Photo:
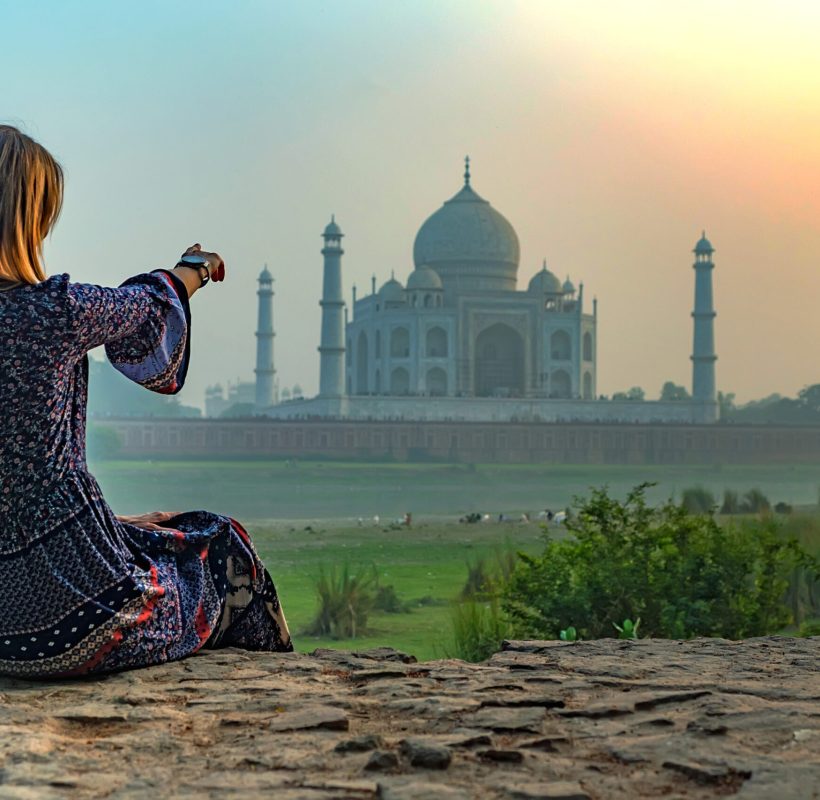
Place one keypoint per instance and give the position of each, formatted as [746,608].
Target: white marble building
[460,327]
[459,339]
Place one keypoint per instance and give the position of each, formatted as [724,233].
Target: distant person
[83,590]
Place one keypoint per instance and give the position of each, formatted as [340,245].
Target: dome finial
[466,170]
[544,266]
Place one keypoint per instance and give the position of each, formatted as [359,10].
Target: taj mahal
[458,340]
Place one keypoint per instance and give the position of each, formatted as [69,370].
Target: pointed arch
[499,362]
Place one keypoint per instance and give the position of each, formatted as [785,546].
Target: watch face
[195,261]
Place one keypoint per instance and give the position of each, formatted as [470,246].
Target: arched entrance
[499,362]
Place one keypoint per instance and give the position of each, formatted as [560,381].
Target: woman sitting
[81,589]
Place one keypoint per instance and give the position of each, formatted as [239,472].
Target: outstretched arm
[190,276]
[144,324]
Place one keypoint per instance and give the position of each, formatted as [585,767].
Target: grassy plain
[427,562]
[304,516]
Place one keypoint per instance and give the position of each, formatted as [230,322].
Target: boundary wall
[485,442]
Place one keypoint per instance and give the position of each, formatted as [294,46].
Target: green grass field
[424,562]
[304,517]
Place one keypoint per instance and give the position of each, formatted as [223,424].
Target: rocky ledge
[604,719]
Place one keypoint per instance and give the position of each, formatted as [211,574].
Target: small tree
[726,403]
[755,502]
[698,500]
[810,397]
[672,392]
[731,502]
[635,393]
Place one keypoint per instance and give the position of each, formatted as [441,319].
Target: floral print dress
[81,592]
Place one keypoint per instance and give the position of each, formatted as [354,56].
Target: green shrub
[697,500]
[731,503]
[345,600]
[485,577]
[684,575]
[478,629]
[809,628]
[803,595]
[386,599]
[755,502]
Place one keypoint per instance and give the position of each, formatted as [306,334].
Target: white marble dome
[392,291]
[545,282]
[469,244]
[423,279]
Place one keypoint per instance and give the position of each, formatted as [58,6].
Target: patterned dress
[81,592]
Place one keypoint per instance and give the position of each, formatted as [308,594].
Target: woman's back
[81,589]
[42,380]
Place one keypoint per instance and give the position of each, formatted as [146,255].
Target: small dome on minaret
[332,229]
[265,275]
[704,246]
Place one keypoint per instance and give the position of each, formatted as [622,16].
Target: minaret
[332,348]
[265,389]
[703,349]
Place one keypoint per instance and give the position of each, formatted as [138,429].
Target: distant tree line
[801,410]
[113,395]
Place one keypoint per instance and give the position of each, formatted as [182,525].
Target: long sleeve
[144,325]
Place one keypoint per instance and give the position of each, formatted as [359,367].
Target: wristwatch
[200,264]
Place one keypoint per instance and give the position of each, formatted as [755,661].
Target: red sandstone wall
[472,442]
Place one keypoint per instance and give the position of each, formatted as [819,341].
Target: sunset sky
[609,134]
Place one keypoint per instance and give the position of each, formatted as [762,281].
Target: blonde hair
[31,196]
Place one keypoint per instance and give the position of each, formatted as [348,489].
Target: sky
[609,134]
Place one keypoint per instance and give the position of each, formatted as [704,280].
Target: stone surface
[594,720]
[382,760]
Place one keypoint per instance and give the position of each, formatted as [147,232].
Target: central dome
[469,244]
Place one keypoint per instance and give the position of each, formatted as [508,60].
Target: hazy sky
[608,133]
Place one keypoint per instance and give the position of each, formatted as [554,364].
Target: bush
[698,500]
[755,502]
[486,577]
[803,595]
[478,629]
[345,601]
[388,601]
[731,503]
[809,628]
[683,575]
